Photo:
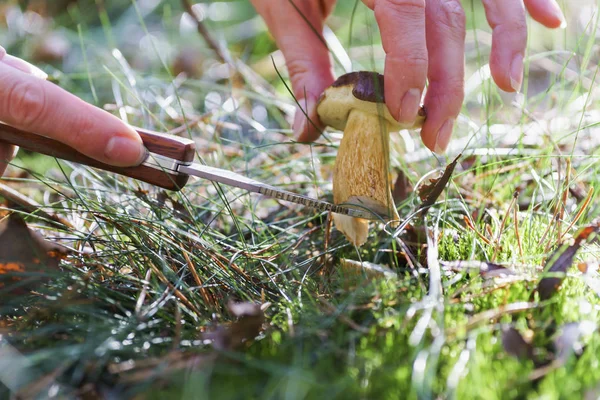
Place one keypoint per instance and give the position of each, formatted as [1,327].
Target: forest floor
[211,292]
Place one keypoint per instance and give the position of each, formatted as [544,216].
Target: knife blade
[240,181]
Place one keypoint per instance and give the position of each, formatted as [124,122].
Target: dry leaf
[515,345]
[25,256]
[430,192]
[402,188]
[247,327]
[561,260]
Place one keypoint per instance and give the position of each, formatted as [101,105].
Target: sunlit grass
[151,273]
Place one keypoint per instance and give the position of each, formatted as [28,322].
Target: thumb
[297,27]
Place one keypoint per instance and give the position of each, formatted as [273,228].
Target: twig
[496,313]
[502,225]
[177,336]
[331,310]
[584,207]
[29,205]
[563,202]
[192,269]
[142,298]
[210,42]
[517,235]
[472,227]
[182,298]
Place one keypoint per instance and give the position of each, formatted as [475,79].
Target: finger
[7,153]
[509,38]
[21,65]
[402,26]
[446,46]
[297,28]
[546,12]
[32,104]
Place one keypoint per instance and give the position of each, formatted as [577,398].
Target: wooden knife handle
[164,145]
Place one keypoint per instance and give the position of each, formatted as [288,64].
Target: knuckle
[26,102]
[455,94]
[454,14]
[515,29]
[446,97]
[452,19]
[412,60]
[519,25]
[406,9]
[404,4]
[299,71]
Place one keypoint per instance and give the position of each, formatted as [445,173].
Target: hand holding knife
[169,165]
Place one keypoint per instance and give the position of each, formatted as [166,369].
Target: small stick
[29,205]
[182,298]
[584,206]
[502,225]
[331,310]
[140,301]
[210,42]
[517,236]
[563,202]
[192,269]
[471,226]
[177,336]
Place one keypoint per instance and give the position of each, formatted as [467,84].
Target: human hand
[29,102]
[421,43]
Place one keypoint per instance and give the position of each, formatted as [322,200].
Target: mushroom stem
[361,173]
[355,104]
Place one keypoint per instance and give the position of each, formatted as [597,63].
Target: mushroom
[355,104]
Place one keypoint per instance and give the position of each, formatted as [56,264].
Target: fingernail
[410,105]
[443,136]
[24,66]
[559,14]
[125,151]
[516,73]
[563,20]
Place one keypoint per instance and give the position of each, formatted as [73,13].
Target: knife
[169,165]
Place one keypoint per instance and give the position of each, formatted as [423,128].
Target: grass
[142,306]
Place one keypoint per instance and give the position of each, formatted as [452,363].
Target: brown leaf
[402,188]
[247,327]
[24,255]
[182,212]
[561,260]
[162,197]
[430,192]
[515,345]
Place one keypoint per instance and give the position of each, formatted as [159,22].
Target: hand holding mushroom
[423,40]
[355,104]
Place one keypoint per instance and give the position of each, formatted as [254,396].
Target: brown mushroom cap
[362,90]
